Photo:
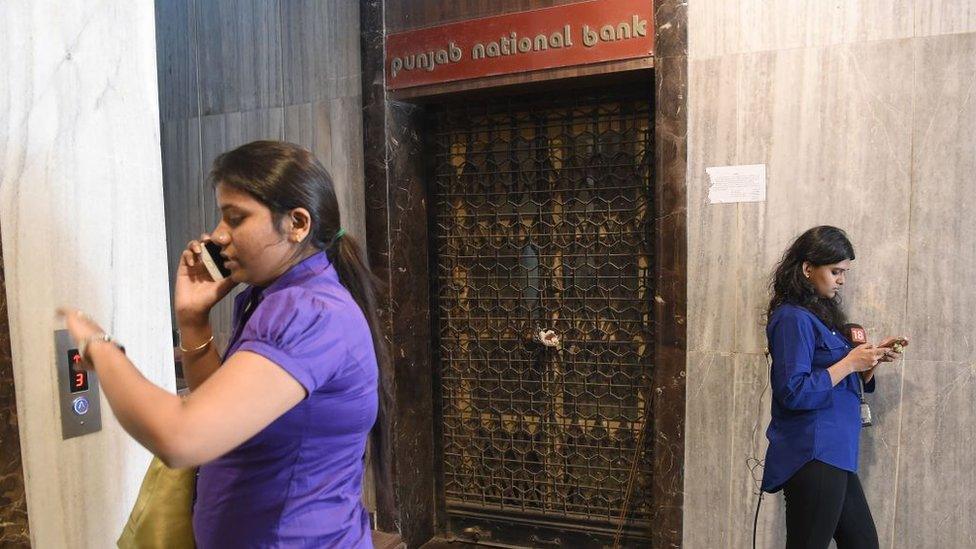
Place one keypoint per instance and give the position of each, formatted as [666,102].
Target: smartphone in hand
[213,261]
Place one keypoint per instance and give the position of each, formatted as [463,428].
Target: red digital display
[77,377]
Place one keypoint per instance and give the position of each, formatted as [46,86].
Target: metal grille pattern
[542,220]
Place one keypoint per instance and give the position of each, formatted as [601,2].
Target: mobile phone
[213,261]
[899,342]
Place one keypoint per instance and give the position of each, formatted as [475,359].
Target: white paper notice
[736,184]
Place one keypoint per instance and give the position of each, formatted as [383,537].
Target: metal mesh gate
[542,219]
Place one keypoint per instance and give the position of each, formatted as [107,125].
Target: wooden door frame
[396,225]
[14,525]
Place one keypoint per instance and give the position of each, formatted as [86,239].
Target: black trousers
[824,502]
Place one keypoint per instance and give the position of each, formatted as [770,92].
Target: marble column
[81,218]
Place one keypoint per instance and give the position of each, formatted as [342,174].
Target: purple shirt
[298,482]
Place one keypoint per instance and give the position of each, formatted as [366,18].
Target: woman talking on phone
[817,378]
[278,423]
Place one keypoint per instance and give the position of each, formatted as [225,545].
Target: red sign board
[572,34]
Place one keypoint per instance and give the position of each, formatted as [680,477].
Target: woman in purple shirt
[279,423]
[817,380]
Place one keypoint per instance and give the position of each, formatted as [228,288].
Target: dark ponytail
[823,245]
[349,260]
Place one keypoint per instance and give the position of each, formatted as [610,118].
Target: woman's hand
[81,327]
[864,357]
[196,292]
[893,347]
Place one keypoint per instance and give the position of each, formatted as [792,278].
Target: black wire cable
[755,521]
[756,463]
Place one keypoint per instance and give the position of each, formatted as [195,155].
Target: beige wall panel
[708,452]
[712,284]
[936,463]
[934,17]
[721,27]
[942,302]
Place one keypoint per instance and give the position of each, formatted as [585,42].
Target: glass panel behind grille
[542,220]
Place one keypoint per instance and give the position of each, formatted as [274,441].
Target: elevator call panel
[77,390]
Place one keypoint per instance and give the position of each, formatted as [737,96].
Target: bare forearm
[147,412]
[197,368]
[199,365]
[839,371]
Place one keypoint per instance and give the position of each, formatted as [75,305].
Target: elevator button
[80,406]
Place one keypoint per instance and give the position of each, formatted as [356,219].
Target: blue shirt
[298,482]
[810,418]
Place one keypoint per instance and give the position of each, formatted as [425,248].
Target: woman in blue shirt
[817,380]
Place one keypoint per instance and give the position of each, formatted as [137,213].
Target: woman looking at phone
[817,378]
[279,421]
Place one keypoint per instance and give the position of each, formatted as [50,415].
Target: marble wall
[81,217]
[864,113]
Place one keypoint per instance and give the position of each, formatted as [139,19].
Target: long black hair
[823,245]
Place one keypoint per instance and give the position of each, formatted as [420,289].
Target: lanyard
[865,409]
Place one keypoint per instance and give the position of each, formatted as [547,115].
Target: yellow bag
[162,517]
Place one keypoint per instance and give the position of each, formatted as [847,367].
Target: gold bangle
[195,349]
